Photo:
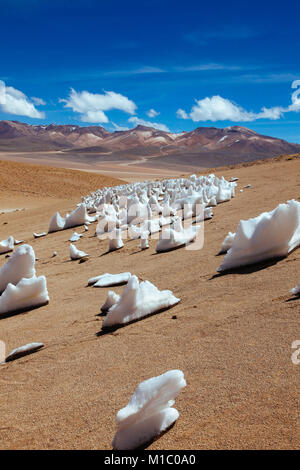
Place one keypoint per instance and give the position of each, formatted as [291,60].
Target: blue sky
[177,65]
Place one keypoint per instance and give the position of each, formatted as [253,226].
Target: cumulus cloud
[182,114]
[216,108]
[91,106]
[137,121]
[152,113]
[13,101]
[38,101]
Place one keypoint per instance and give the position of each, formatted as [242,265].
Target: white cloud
[91,106]
[13,101]
[94,116]
[38,101]
[216,108]
[136,121]
[138,71]
[182,114]
[120,128]
[152,113]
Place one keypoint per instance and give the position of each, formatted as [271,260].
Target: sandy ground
[232,336]
[126,170]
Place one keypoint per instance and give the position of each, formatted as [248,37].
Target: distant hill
[203,147]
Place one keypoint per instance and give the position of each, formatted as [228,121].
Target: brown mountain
[205,146]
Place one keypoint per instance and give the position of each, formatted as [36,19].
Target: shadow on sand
[114,328]
[250,268]
[21,310]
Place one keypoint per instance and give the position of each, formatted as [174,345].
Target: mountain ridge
[204,146]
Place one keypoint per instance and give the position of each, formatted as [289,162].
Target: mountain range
[203,147]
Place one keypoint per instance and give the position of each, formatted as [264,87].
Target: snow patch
[23,351]
[20,264]
[149,411]
[75,253]
[270,235]
[7,245]
[296,290]
[27,293]
[108,280]
[137,301]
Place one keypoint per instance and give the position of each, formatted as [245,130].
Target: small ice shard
[152,226]
[134,232]
[137,301]
[144,241]
[296,290]
[112,298]
[109,280]
[85,228]
[115,240]
[241,190]
[19,265]
[75,253]
[54,254]
[171,239]
[247,186]
[27,293]
[77,217]
[75,237]
[272,234]
[57,223]
[227,242]
[232,179]
[18,242]
[23,351]
[149,412]
[212,202]
[39,235]
[164,221]
[7,245]
[206,215]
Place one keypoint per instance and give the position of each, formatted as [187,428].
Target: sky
[167,64]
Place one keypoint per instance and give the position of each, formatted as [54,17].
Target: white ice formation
[75,237]
[149,205]
[7,245]
[112,298]
[20,264]
[108,280]
[78,216]
[39,235]
[171,238]
[23,351]
[144,244]
[271,235]
[27,293]
[115,240]
[227,242]
[75,253]
[149,412]
[296,290]
[137,301]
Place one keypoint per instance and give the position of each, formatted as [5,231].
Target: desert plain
[231,334]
